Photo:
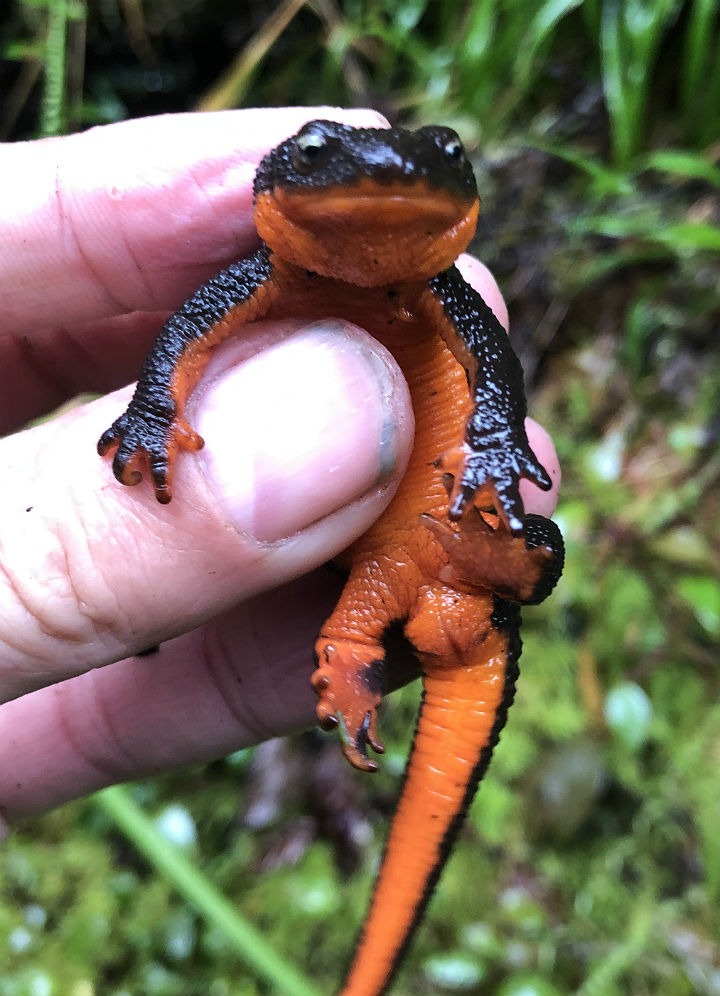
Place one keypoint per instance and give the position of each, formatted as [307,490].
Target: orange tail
[462,714]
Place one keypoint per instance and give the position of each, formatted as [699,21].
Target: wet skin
[365,224]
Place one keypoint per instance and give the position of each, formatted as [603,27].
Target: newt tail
[462,714]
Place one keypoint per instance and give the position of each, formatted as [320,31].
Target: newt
[365,225]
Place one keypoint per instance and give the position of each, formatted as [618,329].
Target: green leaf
[691,235]
[628,712]
[702,595]
[455,971]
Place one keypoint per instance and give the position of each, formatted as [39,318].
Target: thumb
[307,429]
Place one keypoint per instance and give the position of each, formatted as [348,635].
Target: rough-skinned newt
[365,225]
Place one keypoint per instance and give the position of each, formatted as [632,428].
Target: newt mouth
[369,234]
[393,204]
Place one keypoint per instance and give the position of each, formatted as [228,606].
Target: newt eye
[307,148]
[454,150]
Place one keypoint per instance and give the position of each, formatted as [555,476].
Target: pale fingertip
[479,277]
[534,498]
[360,117]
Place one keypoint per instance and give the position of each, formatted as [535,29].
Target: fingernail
[301,428]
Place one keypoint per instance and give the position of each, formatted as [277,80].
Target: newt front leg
[152,430]
[495,452]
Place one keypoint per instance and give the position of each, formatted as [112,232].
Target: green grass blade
[541,27]
[53,102]
[697,35]
[604,179]
[195,888]
[684,236]
[690,165]
[602,266]
[478,33]
[603,977]
[699,57]
[630,36]
[616,94]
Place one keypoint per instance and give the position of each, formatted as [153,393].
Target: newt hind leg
[350,678]
[349,683]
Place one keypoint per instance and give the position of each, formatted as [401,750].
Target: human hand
[102,235]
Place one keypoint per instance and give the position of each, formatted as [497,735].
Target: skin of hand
[308,428]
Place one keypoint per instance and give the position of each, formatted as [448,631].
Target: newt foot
[487,474]
[484,555]
[145,440]
[348,682]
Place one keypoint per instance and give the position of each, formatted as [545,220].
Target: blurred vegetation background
[590,863]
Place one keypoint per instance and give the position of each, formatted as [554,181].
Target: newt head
[369,206]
